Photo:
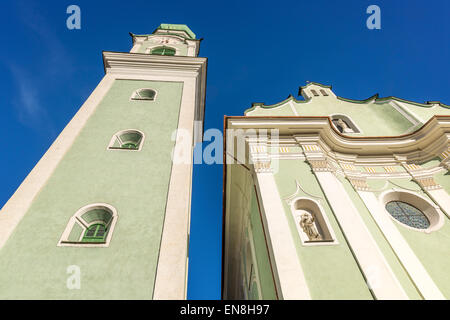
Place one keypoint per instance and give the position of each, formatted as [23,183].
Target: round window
[408,214]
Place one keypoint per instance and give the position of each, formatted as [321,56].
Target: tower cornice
[141,63]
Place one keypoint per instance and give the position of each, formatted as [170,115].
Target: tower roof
[177,27]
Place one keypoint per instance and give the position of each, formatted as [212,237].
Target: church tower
[105,213]
[333,198]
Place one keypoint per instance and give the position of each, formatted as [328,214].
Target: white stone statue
[309,227]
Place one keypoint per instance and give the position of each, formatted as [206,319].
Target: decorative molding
[319,165]
[360,184]
[427,183]
[262,167]
[140,63]
[418,146]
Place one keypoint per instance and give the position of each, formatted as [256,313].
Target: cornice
[420,145]
[140,62]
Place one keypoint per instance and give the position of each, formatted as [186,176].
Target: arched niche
[344,124]
[312,223]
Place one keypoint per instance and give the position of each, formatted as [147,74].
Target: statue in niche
[343,125]
[308,225]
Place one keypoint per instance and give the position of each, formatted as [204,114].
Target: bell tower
[105,213]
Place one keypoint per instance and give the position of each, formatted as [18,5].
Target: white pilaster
[170,282]
[441,197]
[409,260]
[379,275]
[288,271]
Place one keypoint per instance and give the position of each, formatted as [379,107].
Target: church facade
[324,198]
[105,213]
[333,198]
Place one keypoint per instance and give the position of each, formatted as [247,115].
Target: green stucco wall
[135,183]
[389,121]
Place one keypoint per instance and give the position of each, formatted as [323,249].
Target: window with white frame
[412,210]
[127,140]
[144,94]
[163,51]
[92,225]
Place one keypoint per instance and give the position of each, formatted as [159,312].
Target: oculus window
[407,214]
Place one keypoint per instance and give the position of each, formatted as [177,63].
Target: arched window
[163,51]
[144,94]
[343,124]
[127,140]
[312,223]
[91,225]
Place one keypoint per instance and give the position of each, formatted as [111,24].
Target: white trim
[323,224]
[441,197]
[117,135]
[293,108]
[78,217]
[288,271]
[404,106]
[171,271]
[411,118]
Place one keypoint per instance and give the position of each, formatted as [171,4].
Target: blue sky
[258,52]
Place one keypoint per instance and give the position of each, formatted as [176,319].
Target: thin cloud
[27,98]
[56,54]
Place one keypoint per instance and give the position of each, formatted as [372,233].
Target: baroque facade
[105,213]
[333,198]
